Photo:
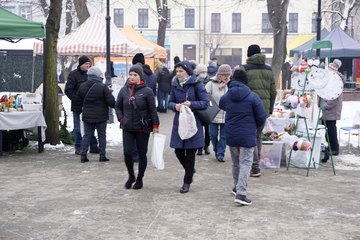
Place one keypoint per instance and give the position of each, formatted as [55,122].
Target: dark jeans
[332,131]
[207,137]
[77,133]
[162,98]
[187,159]
[257,149]
[141,139]
[89,134]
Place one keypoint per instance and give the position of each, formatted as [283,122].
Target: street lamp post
[108,68]
[318,27]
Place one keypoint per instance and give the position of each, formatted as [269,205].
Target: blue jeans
[89,134]
[162,98]
[218,141]
[77,133]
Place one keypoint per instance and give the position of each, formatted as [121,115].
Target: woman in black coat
[136,111]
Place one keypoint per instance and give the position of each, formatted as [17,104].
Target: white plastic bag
[187,123]
[157,154]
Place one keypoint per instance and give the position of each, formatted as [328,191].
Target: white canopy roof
[90,39]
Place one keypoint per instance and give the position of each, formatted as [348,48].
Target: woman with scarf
[217,87]
[135,106]
[185,90]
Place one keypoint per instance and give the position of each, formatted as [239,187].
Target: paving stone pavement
[53,196]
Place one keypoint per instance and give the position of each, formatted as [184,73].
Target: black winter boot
[130,181]
[84,159]
[138,184]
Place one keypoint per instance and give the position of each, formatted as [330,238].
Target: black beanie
[186,66]
[138,58]
[84,59]
[138,69]
[176,60]
[240,75]
[253,49]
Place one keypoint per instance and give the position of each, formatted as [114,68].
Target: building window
[119,17]
[189,18]
[231,56]
[314,23]
[293,22]
[265,25]
[25,12]
[168,23]
[215,22]
[236,22]
[143,18]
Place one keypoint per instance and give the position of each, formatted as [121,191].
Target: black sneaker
[233,191]
[199,152]
[255,173]
[207,150]
[77,151]
[243,200]
[105,159]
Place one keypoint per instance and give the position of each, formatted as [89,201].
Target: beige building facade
[201,29]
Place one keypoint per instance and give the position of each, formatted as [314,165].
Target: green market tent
[15,27]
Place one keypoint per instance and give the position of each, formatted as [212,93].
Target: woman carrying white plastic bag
[157,155]
[187,123]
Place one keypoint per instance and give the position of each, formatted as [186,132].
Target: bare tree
[162,11]
[277,11]
[213,41]
[50,93]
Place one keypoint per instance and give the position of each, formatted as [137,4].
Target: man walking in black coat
[164,87]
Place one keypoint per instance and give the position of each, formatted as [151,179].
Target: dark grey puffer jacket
[95,99]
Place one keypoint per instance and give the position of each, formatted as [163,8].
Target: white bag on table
[187,123]
[157,154]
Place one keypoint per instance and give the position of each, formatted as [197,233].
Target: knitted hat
[200,68]
[240,75]
[186,66]
[138,69]
[84,59]
[176,60]
[138,58]
[253,49]
[212,63]
[224,69]
[95,71]
[335,65]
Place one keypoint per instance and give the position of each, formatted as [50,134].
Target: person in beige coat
[217,87]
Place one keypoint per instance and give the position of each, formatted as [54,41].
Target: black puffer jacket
[143,96]
[149,78]
[74,80]
[95,98]
[164,80]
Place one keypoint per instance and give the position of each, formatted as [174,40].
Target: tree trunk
[81,10]
[162,11]
[277,10]
[51,99]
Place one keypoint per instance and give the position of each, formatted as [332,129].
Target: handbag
[208,114]
[145,120]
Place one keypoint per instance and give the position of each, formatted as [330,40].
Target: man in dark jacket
[261,80]
[95,99]
[164,87]
[74,80]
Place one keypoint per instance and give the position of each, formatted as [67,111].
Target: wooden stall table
[16,120]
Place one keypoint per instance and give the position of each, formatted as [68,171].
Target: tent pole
[33,73]
[44,72]
[318,27]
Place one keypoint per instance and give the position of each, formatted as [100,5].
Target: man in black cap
[261,81]
[74,80]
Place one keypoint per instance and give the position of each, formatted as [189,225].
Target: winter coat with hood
[244,114]
[149,78]
[74,80]
[212,87]
[194,92]
[133,96]
[164,80]
[95,99]
[261,80]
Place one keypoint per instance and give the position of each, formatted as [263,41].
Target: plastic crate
[270,156]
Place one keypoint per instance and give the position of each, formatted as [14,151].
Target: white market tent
[90,39]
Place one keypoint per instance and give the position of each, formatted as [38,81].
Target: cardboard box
[270,156]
